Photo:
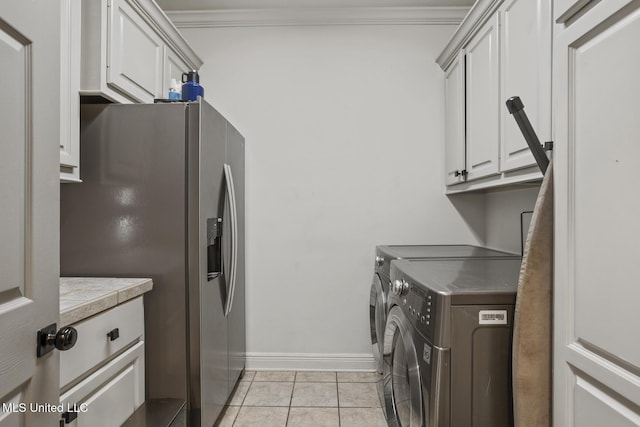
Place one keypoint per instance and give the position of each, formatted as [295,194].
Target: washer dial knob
[379,261]
[400,287]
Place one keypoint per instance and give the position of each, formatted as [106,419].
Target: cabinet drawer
[94,345]
[110,395]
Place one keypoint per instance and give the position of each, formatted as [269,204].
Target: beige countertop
[82,297]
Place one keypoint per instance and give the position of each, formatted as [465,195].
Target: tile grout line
[293,386]
[242,402]
[338,399]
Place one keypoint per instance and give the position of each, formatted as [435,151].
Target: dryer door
[404,405]
[377,319]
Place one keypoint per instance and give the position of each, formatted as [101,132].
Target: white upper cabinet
[127,46]
[482,102]
[525,72]
[454,121]
[123,51]
[70,89]
[173,69]
[503,48]
[566,9]
[135,54]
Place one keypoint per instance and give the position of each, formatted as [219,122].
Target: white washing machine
[378,307]
[447,345]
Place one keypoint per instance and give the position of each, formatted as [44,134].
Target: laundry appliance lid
[464,281]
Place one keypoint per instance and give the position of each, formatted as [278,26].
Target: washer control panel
[419,305]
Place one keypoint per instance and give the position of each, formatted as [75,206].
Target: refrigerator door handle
[231,194]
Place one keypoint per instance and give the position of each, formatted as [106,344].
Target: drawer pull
[114,334]
[69,416]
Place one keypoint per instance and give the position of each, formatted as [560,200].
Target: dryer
[447,345]
[378,307]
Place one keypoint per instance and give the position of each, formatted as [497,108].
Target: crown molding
[160,22]
[478,15]
[318,16]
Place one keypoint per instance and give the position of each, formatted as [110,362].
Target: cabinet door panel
[112,393]
[70,21]
[173,69]
[565,9]
[525,58]
[482,78]
[596,214]
[454,121]
[135,54]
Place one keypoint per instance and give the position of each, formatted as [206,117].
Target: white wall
[344,137]
[502,216]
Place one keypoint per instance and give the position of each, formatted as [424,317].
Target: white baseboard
[310,362]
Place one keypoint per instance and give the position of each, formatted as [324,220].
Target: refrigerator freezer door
[234,157]
[208,335]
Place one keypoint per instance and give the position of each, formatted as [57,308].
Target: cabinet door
[173,69]
[597,206]
[482,106]
[565,9]
[135,54]
[70,25]
[454,121]
[525,59]
[111,394]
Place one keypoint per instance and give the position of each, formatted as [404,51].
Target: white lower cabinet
[102,377]
[110,395]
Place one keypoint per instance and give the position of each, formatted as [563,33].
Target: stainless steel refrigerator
[163,197]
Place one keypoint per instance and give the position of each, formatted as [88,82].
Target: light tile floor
[304,399]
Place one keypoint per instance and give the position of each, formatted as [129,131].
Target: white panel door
[29,207]
[525,71]
[454,120]
[136,52]
[482,107]
[597,158]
